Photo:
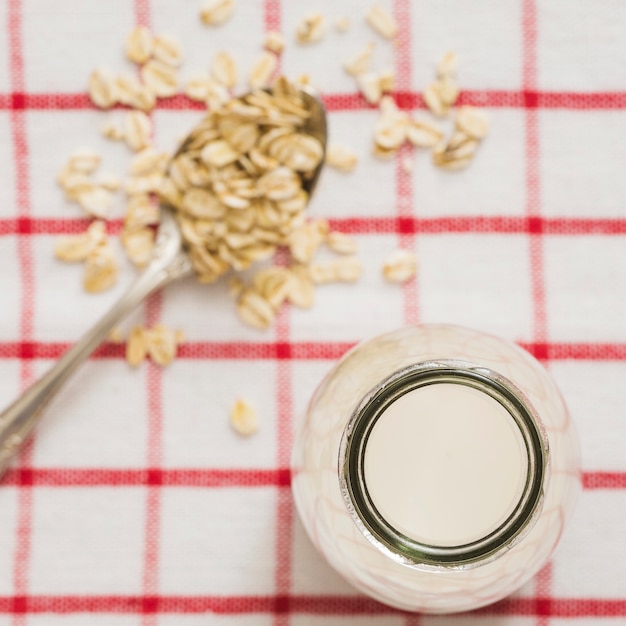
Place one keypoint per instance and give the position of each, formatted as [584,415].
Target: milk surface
[445,464]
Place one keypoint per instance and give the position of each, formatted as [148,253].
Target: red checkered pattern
[136,504]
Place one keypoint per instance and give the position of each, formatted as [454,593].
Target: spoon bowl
[169,262]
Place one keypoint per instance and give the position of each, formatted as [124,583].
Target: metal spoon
[168,263]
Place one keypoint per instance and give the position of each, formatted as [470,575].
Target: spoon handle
[19,419]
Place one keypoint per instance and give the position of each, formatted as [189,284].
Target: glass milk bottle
[436,468]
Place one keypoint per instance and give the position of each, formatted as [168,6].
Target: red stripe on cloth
[21,563]
[335,605]
[283,531]
[404,180]
[206,478]
[604,480]
[299,351]
[543,580]
[154,392]
[349,101]
[93,477]
[408,224]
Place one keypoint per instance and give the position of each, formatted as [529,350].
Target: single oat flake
[274,42]
[244,419]
[100,269]
[400,266]
[139,45]
[137,346]
[137,130]
[102,88]
[216,12]
[162,344]
[382,21]
[341,157]
[472,121]
[311,28]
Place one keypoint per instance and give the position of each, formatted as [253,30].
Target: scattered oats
[74,183]
[262,70]
[167,49]
[342,24]
[84,161]
[387,80]
[140,212]
[343,270]
[432,99]
[138,244]
[143,184]
[235,286]
[423,133]
[137,130]
[244,419]
[96,201]
[180,336]
[341,243]
[472,121]
[100,269]
[224,69]
[370,87]
[384,154]
[115,335]
[341,157]
[217,95]
[360,62]
[132,93]
[457,153]
[302,292]
[273,284]
[381,21]
[390,130]
[311,28]
[198,87]
[110,182]
[162,344]
[102,88]
[274,42]
[149,161]
[448,91]
[160,78]
[255,310]
[447,66]
[139,45]
[305,240]
[400,266]
[112,129]
[216,12]
[74,248]
[137,346]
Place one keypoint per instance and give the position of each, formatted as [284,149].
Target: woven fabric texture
[136,503]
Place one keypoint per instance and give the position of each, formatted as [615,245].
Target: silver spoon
[168,263]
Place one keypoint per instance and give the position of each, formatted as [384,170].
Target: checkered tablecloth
[136,503]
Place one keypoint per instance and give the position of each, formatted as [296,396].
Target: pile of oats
[394,126]
[238,184]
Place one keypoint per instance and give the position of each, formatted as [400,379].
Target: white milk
[445,464]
